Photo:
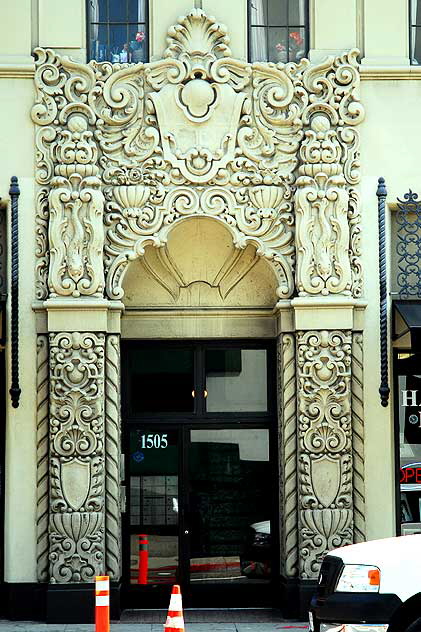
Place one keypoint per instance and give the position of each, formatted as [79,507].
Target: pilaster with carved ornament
[77,469]
[325,445]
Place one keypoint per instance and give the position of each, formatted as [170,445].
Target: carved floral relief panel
[77,475]
[324,445]
[126,150]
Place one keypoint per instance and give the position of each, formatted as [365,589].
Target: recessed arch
[198,263]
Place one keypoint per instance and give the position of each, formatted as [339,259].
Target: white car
[370,587]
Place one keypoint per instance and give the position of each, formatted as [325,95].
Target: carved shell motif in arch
[266,223]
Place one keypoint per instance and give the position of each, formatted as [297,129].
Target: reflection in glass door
[230,506]
[153,506]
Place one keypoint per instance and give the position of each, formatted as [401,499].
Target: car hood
[397,558]
[376,551]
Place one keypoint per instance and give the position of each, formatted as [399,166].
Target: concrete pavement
[196,620]
[30,626]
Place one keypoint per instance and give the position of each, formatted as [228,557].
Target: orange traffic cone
[175,619]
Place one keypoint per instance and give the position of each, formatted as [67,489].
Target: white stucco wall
[17,158]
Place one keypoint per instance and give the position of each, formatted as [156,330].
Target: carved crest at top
[197,132]
[196,38]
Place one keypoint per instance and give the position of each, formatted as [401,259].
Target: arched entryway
[199,422]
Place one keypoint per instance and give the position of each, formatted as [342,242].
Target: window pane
[98,10]
[99,48]
[416,45]
[236,380]
[117,10]
[258,47]
[258,12]
[136,11]
[230,499]
[161,380]
[278,45]
[296,13]
[119,47]
[415,12]
[138,43]
[296,44]
[277,11]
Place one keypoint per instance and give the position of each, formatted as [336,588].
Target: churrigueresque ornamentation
[127,150]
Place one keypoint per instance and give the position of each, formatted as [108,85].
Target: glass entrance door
[154,507]
[229,516]
[201,481]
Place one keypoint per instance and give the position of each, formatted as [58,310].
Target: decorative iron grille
[408,247]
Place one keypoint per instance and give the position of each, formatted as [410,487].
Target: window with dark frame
[118,30]
[278,30]
[415,32]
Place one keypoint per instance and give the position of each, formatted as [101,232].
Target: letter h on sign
[409,398]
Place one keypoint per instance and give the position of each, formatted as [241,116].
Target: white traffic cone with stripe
[175,619]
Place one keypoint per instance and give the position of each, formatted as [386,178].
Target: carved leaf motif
[321,531]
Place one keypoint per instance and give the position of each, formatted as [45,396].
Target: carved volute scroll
[202,133]
[77,478]
[325,445]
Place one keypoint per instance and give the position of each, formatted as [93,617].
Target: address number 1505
[154,441]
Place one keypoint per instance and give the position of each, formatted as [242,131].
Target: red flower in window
[298,40]
[140,36]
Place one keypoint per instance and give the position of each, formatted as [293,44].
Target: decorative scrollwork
[263,217]
[164,125]
[408,220]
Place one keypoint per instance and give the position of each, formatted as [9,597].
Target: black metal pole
[384,389]
[15,391]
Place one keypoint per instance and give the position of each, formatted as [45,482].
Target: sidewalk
[29,626]
[196,620]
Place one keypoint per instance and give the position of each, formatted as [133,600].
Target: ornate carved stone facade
[125,152]
[105,137]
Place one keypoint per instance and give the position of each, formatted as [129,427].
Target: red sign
[411,473]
